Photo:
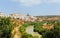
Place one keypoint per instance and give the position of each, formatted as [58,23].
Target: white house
[23,17]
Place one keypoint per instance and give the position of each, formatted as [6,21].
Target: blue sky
[33,7]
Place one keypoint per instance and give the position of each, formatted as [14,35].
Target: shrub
[5,27]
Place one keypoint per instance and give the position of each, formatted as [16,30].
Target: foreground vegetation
[46,33]
[7,25]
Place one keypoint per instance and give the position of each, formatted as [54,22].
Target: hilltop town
[32,18]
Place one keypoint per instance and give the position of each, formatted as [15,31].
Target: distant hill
[48,16]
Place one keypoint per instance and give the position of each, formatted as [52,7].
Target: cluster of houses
[19,16]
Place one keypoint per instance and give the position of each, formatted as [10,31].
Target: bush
[25,35]
[5,27]
[22,30]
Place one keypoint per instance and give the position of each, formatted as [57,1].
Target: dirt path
[16,33]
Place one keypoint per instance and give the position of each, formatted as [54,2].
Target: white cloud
[35,2]
[53,1]
[29,2]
